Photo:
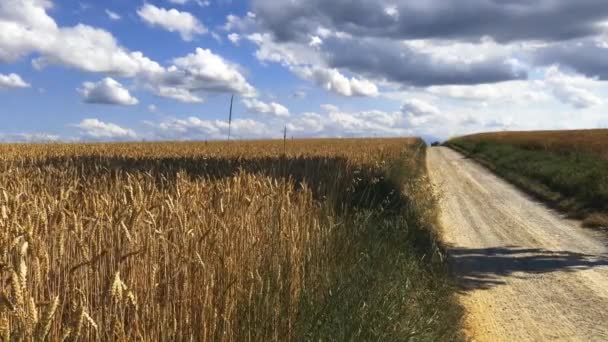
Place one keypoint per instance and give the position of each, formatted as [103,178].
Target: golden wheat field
[247,241]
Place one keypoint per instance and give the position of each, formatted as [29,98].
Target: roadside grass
[574,181]
[393,283]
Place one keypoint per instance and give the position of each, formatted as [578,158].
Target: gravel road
[526,273]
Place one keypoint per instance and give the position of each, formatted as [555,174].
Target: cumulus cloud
[27,28]
[416,107]
[307,123]
[107,91]
[194,128]
[333,80]
[234,38]
[438,43]
[196,73]
[373,60]
[521,91]
[330,121]
[572,89]
[272,109]
[29,138]
[96,129]
[12,81]
[305,62]
[333,121]
[202,3]
[172,20]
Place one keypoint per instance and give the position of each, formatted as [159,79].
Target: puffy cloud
[29,137]
[336,122]
[95,129]
[27,28]
[12,81]
[196,73]
[293,56]
[572,89]
[512,91]
[307,123]
[271,109]
[194,128]
[417,107]
[379,60]
[113,15]
[333,80]
[234,38]
[172,20]
[94,50]
[202,3]
[107,91]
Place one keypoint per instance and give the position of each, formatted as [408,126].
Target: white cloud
[315,41]
[94,50]
[336,122]
[202,3]
[307,123]
[172,20]
[333,80]
[271,109]
[26,28]
[196,73]
[107,91]
[93,128]
[175,93]
[572,89]
[194,128]
[304,61]
[234,38]
[29,137]
[511,91]
[113,15]
[12,81]
[419,108]
[392,11]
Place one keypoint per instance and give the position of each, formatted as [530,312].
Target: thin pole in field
[230,117]
[285,140]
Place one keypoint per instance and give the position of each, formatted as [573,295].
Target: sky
[116,70]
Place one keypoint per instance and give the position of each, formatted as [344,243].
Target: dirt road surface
[526,273]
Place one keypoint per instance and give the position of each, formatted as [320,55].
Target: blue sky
[166,69]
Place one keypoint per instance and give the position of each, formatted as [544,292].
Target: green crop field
[569,169]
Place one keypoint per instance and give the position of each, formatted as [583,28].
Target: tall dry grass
[217,242]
